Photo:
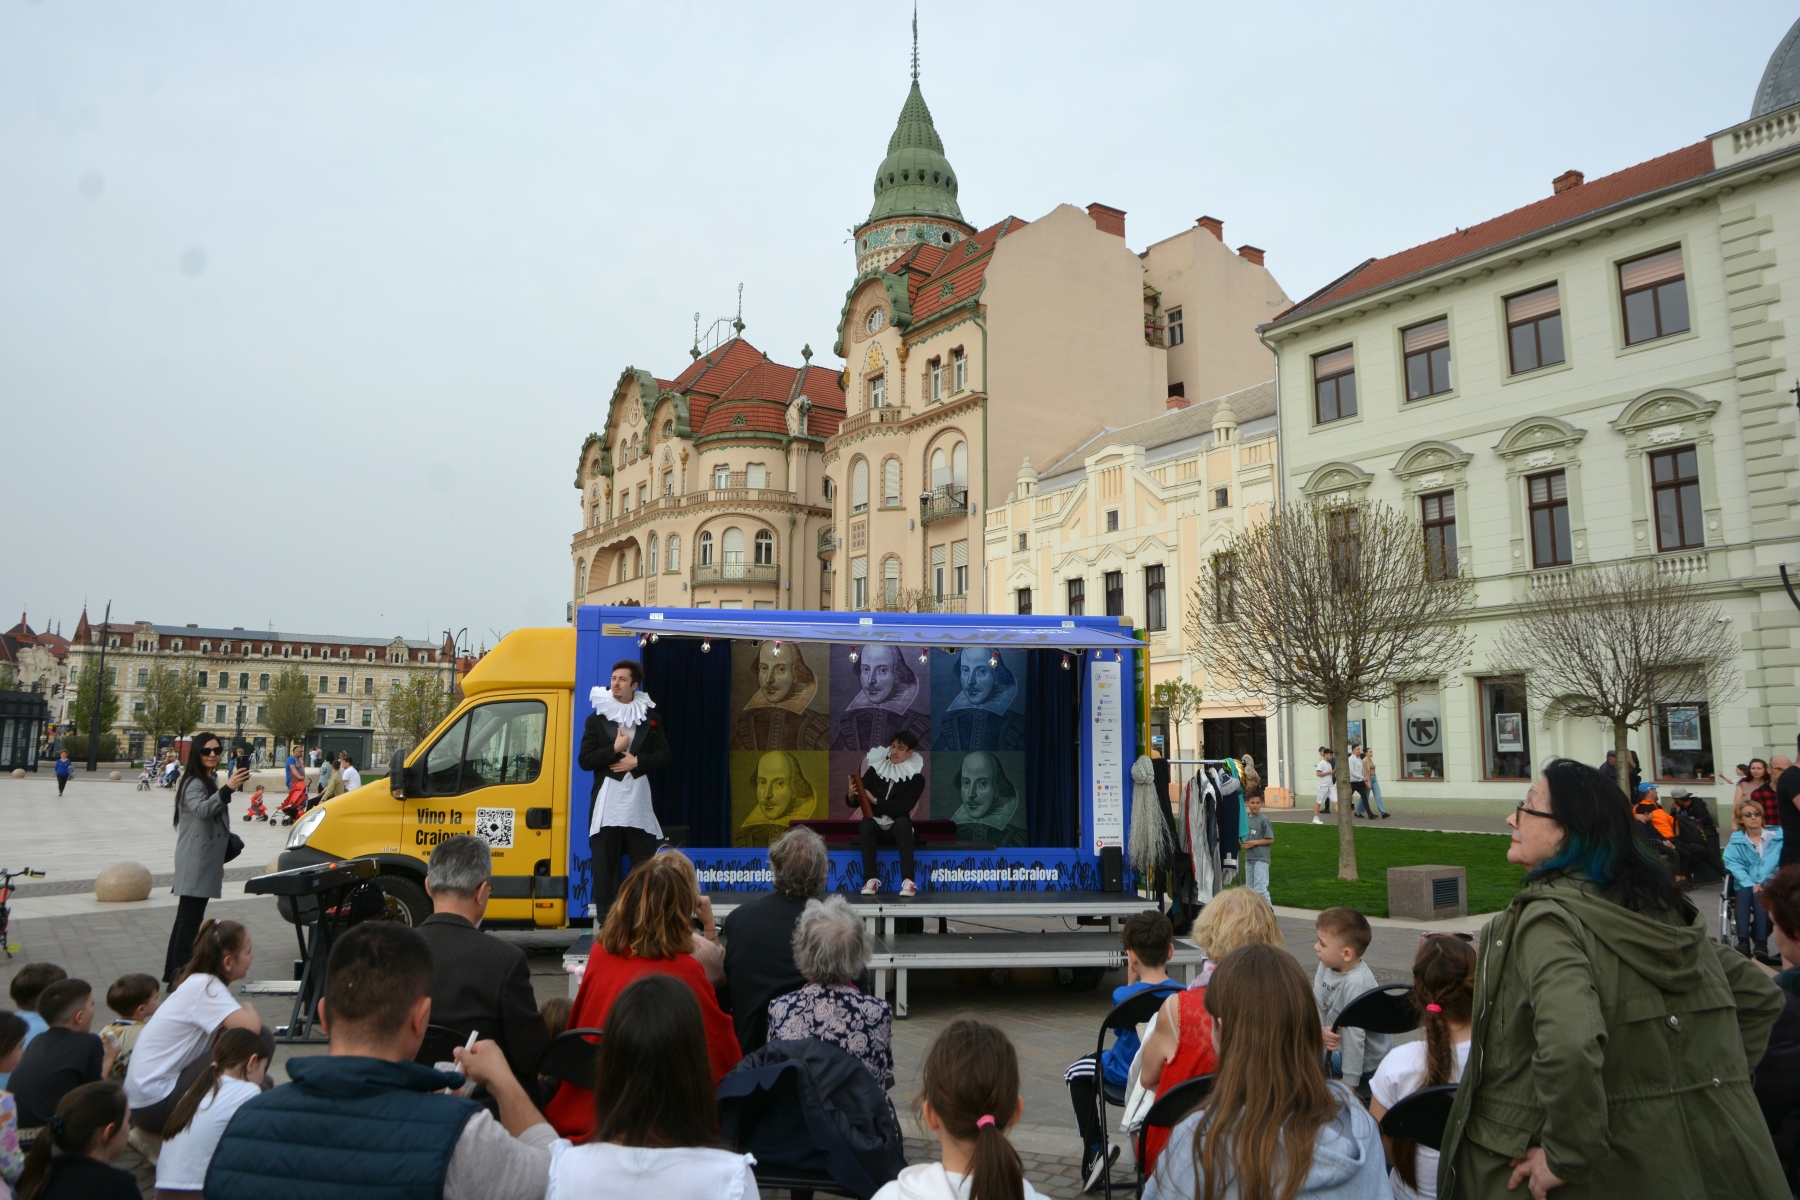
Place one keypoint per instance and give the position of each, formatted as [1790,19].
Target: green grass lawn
[1303,873]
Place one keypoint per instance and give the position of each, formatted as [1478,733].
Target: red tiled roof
[761,396]
[1687,163]
[962,268]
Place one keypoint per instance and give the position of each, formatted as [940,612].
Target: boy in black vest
[366,1118]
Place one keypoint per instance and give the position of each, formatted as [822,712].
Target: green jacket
[1622,1044]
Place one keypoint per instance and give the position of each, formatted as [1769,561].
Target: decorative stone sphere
[18,772]
[123,882]
[274,864]
[115,777]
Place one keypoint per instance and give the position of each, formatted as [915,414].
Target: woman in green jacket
[1613,1040]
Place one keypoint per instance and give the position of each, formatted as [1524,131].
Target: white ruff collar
[624,714]
[894,772]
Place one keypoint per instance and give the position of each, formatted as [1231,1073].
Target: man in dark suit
[479,983]
[621,745]
[759,936]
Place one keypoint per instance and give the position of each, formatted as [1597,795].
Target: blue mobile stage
[1028,726]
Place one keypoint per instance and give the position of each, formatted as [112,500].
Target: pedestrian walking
[1326,775]
[1374,782]
[202,834]
[1359,786]
[64,768]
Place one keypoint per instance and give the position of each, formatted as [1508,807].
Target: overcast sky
[306,308]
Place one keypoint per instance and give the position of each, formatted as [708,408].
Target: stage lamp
[706,645]
[642,641]
[654,636]
[993,658]
[777,650]
[924,657]
[854,656]
[1116,657]
[1066,666]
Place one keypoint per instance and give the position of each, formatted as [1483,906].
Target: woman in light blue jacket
[1752,856]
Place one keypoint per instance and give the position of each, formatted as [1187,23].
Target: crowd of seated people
[1294,1107]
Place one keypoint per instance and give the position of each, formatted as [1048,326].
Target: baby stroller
[295,804]
[258,810]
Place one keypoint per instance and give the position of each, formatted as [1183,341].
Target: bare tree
[172,705]
[293,711]
[412,711]
[1180,700]
[1328,605]
[1616,643]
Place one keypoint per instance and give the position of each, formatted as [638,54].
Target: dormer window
[206,647]
[877,318]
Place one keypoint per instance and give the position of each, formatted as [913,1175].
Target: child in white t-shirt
[234,1077]
[1444,990]
[1326,771]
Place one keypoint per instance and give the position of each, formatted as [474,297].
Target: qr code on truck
[496,825]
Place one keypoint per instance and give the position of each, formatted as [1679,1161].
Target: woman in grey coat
[202,829]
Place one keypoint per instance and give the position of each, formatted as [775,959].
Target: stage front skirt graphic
[1109,755]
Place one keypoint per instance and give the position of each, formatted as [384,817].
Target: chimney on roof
[1108,219]
[1566,181]
[1178,396]
[1213,226]
[1251,254]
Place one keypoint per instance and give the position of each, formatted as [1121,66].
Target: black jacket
[481,984]
[891,799]
[1778,1080]
[832,1117]
[759,962]
[597,753]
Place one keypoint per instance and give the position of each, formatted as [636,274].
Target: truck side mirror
[412,779]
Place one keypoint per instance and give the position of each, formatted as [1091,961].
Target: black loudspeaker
[1112,869]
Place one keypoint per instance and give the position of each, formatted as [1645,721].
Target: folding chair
[1127,1015]
[1421,1117]
[1168,1111]
[1385,1009]
[571,1056]
[439,1044]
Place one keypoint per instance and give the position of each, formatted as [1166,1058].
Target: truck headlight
[303,828]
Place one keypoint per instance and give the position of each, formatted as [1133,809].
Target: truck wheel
[414,904]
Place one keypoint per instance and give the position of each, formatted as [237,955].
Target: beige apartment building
[969,351]
[705,490]
[1126,523]
[236,668]
[1598,377]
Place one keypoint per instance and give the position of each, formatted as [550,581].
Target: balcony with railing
[735,572]
[942,502]
[827,541]
[885,415]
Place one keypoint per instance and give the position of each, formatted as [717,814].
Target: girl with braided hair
[72,1157]
[1444,993]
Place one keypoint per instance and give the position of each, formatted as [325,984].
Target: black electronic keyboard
[313,879]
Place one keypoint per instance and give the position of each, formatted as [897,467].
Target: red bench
[845,833]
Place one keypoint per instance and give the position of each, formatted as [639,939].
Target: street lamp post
[93,763]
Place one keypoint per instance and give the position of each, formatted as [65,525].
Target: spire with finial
[915,41]
[806,354]
[695,352]
[738,324]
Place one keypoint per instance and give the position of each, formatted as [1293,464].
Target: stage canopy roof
[1066,636]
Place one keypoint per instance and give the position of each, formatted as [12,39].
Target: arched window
[732,545]
[621,578]
[890,483]
[890,582]
[674,551]
[652,555]
[959,465]
[765,548]
[722,476]
[706,556]
[940,469]
[580,580]
[637,562]
[859,486]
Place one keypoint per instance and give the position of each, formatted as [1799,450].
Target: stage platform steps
[897,953]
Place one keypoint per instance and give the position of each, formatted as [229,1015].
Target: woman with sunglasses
[202,830]
[1613,1040]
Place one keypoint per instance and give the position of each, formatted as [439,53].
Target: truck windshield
[494,744]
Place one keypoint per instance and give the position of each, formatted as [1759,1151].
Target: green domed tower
[915,188]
